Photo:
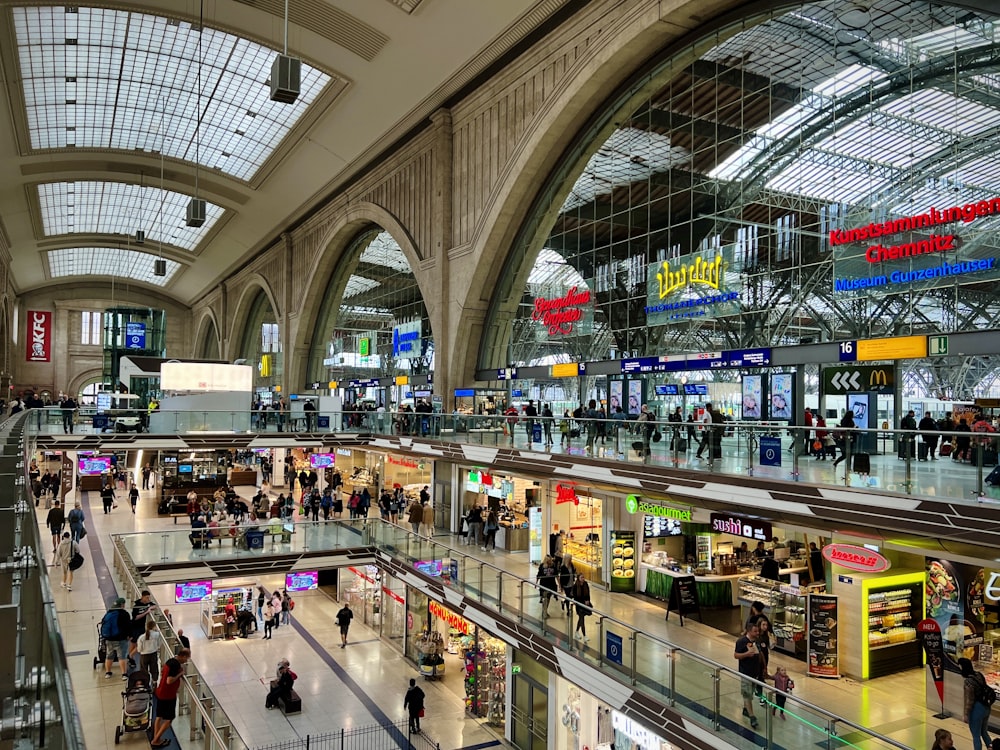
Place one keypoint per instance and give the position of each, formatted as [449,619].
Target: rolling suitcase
[989,457]
[861,463]
[682,445]
[922,449]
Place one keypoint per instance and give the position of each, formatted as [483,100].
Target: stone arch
[81,379]
[336,241]
[253,285]
[207,325]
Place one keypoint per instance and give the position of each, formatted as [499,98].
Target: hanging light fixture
[196,206]
[286,73]
[140,234]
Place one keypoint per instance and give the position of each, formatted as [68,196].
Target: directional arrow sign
[859,378]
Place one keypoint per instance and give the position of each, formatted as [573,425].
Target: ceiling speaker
[196,212]
[159,267]
[140,236]
[286,74]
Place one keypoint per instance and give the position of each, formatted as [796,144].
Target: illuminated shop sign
[925,261]
[691,287]
[748,528]
[635,504]
[406,343]
[566,494]
[459,623]
[856,558]
[559,314]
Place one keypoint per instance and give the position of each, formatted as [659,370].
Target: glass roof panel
[101,78]
[120,208]
[357,285]
[628,156]
[983,172]
[939,109]
[108,262]
[552,270]
[878,140]
[812,174]
[385,251]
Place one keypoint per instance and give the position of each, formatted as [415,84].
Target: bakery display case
[585,555]
[785,605]
[891,610]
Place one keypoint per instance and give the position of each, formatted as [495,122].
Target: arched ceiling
[106,122]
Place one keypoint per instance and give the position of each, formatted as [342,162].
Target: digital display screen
[464,392]
[321,460]
[655,526]
[666,390]
[422,394]
[92,465]
[170,459]
[516,393]
[305,581]
[428,567]
[192,591]
[185,468]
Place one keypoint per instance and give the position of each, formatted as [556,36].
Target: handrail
[375,533]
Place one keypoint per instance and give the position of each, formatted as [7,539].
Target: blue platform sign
[323,422]
[770,451]
[135,335]
[613,647]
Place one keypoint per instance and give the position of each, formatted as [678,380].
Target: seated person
[282,686]
[213,529]
[276,507]
[199,531]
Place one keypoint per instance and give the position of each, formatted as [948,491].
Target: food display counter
[241,477]
[513,534]
[585,555]
[786,607]
[713,590]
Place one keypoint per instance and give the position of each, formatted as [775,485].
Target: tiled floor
[330,678]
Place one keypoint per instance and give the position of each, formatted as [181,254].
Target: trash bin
[255,539]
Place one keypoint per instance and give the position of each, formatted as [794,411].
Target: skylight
[114,208]
[552,270]
[101,78]
[108,262]
[357,285]
[385,251]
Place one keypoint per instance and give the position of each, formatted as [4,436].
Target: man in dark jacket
[414,705]
[928,431]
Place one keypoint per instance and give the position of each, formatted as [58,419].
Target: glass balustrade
[706,692]
[898,461]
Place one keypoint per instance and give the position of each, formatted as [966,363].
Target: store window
[361,587]
[578,513]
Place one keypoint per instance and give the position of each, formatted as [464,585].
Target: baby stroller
[137,703]
[102,648]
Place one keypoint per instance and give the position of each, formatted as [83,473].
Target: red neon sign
[459,623]
[566,495]
[928,220]
[559,314]
[856,558]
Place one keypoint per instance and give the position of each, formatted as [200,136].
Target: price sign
[848,351]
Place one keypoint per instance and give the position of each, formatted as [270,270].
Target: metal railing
[680,445]
[39,703]
[394,736]
[702,690]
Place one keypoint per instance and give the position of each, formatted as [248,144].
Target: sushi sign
[854,557]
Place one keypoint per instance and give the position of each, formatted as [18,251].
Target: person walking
[750,666]
[490,530]
[55,520]
[567,575]
[64,554]
[415,515]
[975,712]
[344,617]
[547,583]
[580,594]
[133,497]
[147,472]
[427,520]
[413,704]
[840,439]
[928,433]
[148,647]
[115,628]
[166,696]
[108,496]
[547,424]
[76,519]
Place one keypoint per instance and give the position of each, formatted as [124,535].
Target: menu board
[192,591]
[821,646]
[684,598]
[623,565]
[656,526]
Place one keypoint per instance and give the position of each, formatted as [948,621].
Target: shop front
[471,662]
[576,516]
[361,587]
[509,497]
[409,473]
[213,606]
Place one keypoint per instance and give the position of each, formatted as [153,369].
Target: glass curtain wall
[822,173]
[373,322]
[261,344]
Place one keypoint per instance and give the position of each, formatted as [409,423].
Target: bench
[294,703]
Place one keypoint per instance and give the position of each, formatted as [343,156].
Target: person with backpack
[326,503]
[116,626]
[65,552]
[978,702]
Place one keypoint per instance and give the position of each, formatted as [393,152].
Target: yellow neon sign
[698,271]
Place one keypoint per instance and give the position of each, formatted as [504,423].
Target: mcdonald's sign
[858,378]
[879,378]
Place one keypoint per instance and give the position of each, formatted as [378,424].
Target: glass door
[530,714]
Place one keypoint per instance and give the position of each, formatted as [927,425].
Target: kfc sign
[39,336]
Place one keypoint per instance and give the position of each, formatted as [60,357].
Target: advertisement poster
[781,399]
[535,535]
[623,561]
[634,397]
[954,594]
[858,403]
[38,336]
[192,591]
[66,475]
[305,581]
[930,635]
[615,396]
[821,646]
[753,396]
